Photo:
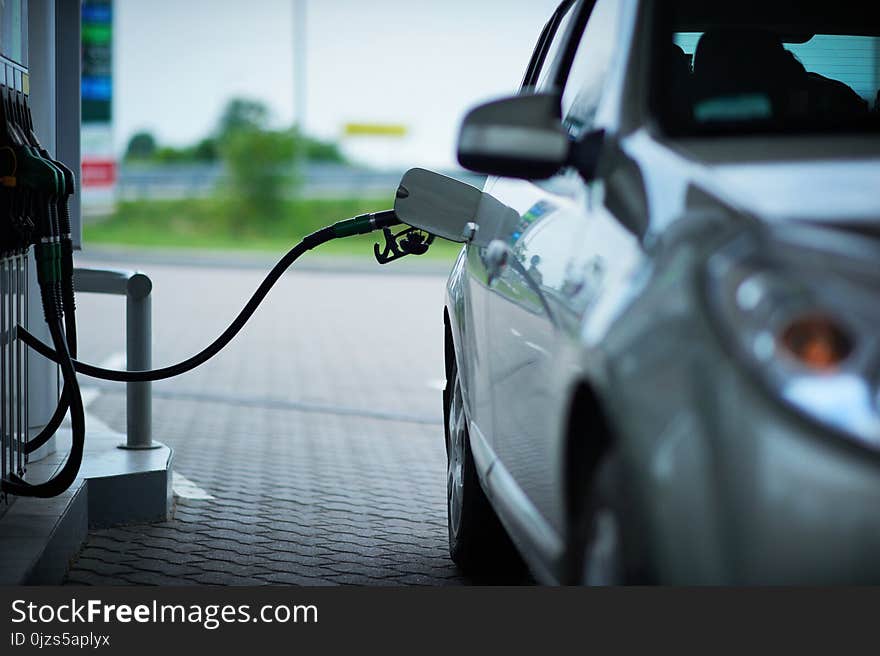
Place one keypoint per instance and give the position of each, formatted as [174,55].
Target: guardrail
[136,287]
[316,181]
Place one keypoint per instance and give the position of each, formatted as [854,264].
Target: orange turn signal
[817,342]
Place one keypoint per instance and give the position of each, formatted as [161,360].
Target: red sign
[98,173]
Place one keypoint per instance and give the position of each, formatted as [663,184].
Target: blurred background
[220,124]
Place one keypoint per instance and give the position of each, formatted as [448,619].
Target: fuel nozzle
[42,185]
[410,241]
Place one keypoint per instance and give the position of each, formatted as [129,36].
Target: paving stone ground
[318,433]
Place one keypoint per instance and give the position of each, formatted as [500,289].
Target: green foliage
[242,115]
[207,150]
[325,152]
[142,146]
[168,155]
[261,170]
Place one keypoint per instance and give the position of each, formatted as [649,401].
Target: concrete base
[39,537]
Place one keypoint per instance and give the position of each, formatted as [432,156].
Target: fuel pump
[36,189]
[427,205]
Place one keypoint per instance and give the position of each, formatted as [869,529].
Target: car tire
[478,543]
[599,550]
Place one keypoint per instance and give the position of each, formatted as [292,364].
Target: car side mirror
[453,210]
[523,137]
[517,137]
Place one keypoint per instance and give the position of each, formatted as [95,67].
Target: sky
[420,63]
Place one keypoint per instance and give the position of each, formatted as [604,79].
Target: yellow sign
[375,130]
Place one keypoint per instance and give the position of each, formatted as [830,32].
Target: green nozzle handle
[37,174]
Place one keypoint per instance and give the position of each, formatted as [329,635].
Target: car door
[473,361]
[558,262]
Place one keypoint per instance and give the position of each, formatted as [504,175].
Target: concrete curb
[39,537]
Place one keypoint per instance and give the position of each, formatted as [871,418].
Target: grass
[210,223]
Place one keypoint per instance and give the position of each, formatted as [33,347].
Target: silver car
[663,351]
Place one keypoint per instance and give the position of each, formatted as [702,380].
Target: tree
[261,170]
[322,151]
[206,150]
[141,146]
[242,115]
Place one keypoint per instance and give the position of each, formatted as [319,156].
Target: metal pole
[300,70]
[139,357]
[300,84]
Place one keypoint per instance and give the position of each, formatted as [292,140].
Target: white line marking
[89,395]
[186,489]
[95,425]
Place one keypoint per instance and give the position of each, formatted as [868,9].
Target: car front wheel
[478,543]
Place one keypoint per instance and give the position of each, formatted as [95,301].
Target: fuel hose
[360,225]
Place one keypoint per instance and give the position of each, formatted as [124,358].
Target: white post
[300,79]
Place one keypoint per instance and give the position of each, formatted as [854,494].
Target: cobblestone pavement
[318,432]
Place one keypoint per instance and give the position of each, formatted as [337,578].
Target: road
[310,450]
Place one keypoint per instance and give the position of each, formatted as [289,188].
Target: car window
[748,69]
[547,76]
[542,249]
[590,66]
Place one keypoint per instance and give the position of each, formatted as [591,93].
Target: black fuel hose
[63,406]
[54,424]
[68,473]
[356,226]
[68,306]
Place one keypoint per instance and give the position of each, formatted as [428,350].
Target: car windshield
[768,67]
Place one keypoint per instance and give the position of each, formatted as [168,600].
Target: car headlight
[805,318]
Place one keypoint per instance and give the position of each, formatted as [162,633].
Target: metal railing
[14,376]
[315,181]
[136,287]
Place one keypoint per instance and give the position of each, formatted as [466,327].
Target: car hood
[826,192]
